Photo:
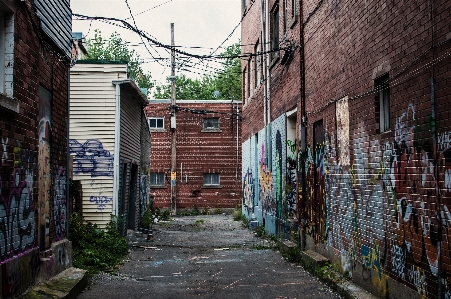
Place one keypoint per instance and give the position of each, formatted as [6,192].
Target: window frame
[294,13]
[156,128]
[208,177]
[211,129]
[382,99]
[275,33]
[7,19]
[158,176]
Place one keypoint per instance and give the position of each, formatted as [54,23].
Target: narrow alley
[208,256]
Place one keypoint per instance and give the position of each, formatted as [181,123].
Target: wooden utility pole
[173,128]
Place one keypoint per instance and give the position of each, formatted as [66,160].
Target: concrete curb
[66,285]
[345,288]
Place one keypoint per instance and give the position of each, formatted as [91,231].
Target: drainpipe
[117,142]
[266,103]
[67,151]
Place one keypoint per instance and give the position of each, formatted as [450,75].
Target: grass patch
[95,249]
[199,222]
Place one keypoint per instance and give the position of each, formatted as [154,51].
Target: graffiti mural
[384,209]
[91,158]
[17,214]
[248,191]
[266,186]
[59,202]
[44,176]
[278,183]
[290,185]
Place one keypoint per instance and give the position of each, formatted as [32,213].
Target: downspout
[68,152]
[237,148]
[266,105]
[117,142]
[302,129]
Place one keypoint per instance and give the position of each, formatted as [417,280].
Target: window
[382,89]
[284,3]
[211,179]
[157,178]
[275,33]
[211,123]
[156,123]
[256,66]
[244,86]
[294,13]
[7,59]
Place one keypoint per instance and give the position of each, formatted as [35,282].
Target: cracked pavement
[205,256]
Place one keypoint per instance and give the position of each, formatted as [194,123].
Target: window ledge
[211,131]
[211,187]
[157,187]
[9,103]
[157,130]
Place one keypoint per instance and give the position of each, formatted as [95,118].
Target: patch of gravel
[103,277]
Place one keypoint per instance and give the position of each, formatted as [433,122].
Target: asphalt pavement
[206,256]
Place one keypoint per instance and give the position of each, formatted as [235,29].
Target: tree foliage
[115,49]
[227,81]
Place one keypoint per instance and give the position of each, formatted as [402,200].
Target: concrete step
[66,285]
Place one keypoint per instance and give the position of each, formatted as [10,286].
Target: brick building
[208,154]
[35,59]
[372,152]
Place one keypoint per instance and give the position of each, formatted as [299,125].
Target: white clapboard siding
[92,117]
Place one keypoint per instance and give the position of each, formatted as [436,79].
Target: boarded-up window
[382,89]
[342,114]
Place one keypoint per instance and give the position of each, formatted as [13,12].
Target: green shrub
[95,249]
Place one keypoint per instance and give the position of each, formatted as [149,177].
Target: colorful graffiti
[144,191]
[17,214]
[278,176]
[248,191]
[91,158]
[266,186]
[290,181]
[386,204]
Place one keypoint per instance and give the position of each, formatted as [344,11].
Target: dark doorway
[131,213]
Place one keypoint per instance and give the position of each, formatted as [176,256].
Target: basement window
[382,91]
[211,180]
[157,179]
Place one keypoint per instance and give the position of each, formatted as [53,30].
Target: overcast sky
[198,23]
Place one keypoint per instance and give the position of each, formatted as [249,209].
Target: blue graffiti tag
[91,158]
[101,201]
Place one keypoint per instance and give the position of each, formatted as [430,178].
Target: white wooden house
[109,141]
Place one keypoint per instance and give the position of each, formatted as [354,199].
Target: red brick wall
[392,187]
[35,63]
[197,153]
